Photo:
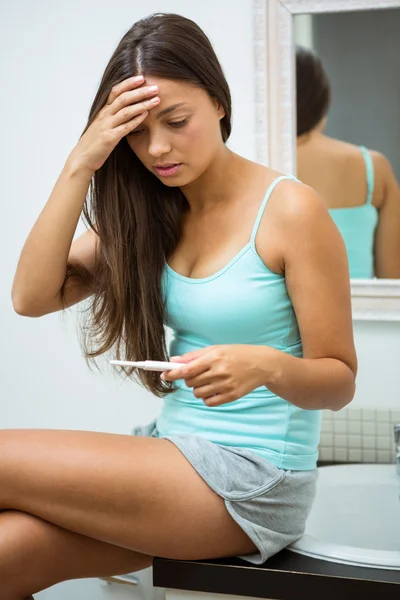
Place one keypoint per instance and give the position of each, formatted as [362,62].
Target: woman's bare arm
[387,236]
[41,282]
[318,283]
[44,259]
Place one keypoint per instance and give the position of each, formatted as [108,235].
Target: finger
[192,369]
[128,126]
[215,400]
[128,113]
[195,368]
[123,86]
[204,391]
[131,98]
[172,375]
[203,379]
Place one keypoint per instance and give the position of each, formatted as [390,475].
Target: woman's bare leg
[134,493]
[37,555]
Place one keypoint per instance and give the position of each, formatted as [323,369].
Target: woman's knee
[35,555]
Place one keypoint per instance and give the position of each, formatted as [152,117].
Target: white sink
[355,518]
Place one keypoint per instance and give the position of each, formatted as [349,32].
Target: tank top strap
[369,167]
[264,204]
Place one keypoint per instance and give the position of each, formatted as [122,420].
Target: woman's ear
[219,108]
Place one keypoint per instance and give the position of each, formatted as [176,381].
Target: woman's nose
[158,146]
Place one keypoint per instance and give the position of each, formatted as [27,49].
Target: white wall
[303,30]
[53,55]
[378,350]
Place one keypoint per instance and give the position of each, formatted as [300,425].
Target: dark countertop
[285,576]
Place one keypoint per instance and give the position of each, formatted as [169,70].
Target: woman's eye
[178,123]
[172,124]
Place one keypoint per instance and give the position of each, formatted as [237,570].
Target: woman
[358,185]
[258,298]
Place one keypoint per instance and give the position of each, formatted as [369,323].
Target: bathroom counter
[285,576]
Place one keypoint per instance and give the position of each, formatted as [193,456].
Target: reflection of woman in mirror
[358,185]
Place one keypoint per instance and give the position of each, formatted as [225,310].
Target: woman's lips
[166,171]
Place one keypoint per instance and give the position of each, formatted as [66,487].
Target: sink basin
[355,518]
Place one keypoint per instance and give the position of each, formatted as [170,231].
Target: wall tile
[358,435]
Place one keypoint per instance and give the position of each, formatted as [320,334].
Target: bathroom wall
[363,431]
[53,55]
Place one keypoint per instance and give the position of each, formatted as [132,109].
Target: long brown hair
[138,218]
[313,92]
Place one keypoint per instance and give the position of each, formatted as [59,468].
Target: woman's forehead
[175,90]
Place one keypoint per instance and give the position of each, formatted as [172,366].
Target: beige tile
[368,428]
[368,414]
[326,439]
[354,414]
[340,454]
[395,416]
[340,426]
[385,429]
[355,455]
[383,456]
[369,456]
[383,443]
[368,442]
[354,426]
[325,454]
[339,440]
[354,441]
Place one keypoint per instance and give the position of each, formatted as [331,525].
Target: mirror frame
[275,117]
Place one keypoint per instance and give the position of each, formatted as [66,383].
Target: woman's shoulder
[338,146]
[382,164]
[295,218]
[349,153]
[289,197]
[295,204]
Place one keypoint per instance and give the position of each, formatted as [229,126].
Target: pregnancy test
[149,365]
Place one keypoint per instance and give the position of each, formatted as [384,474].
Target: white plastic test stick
[149,365]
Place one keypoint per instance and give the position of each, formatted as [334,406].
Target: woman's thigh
[137,493]
[35,555]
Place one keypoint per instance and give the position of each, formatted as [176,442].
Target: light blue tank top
[243,303]
[357,225]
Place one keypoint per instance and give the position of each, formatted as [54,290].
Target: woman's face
[188,135]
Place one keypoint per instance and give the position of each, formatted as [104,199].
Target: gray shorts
[271,505]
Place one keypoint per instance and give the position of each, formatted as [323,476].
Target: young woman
[358,185]
[248,270]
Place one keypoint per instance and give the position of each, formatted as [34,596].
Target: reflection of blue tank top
[243,303]
[357,225]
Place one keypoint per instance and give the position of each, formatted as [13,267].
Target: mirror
[332,79]
[347,129]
